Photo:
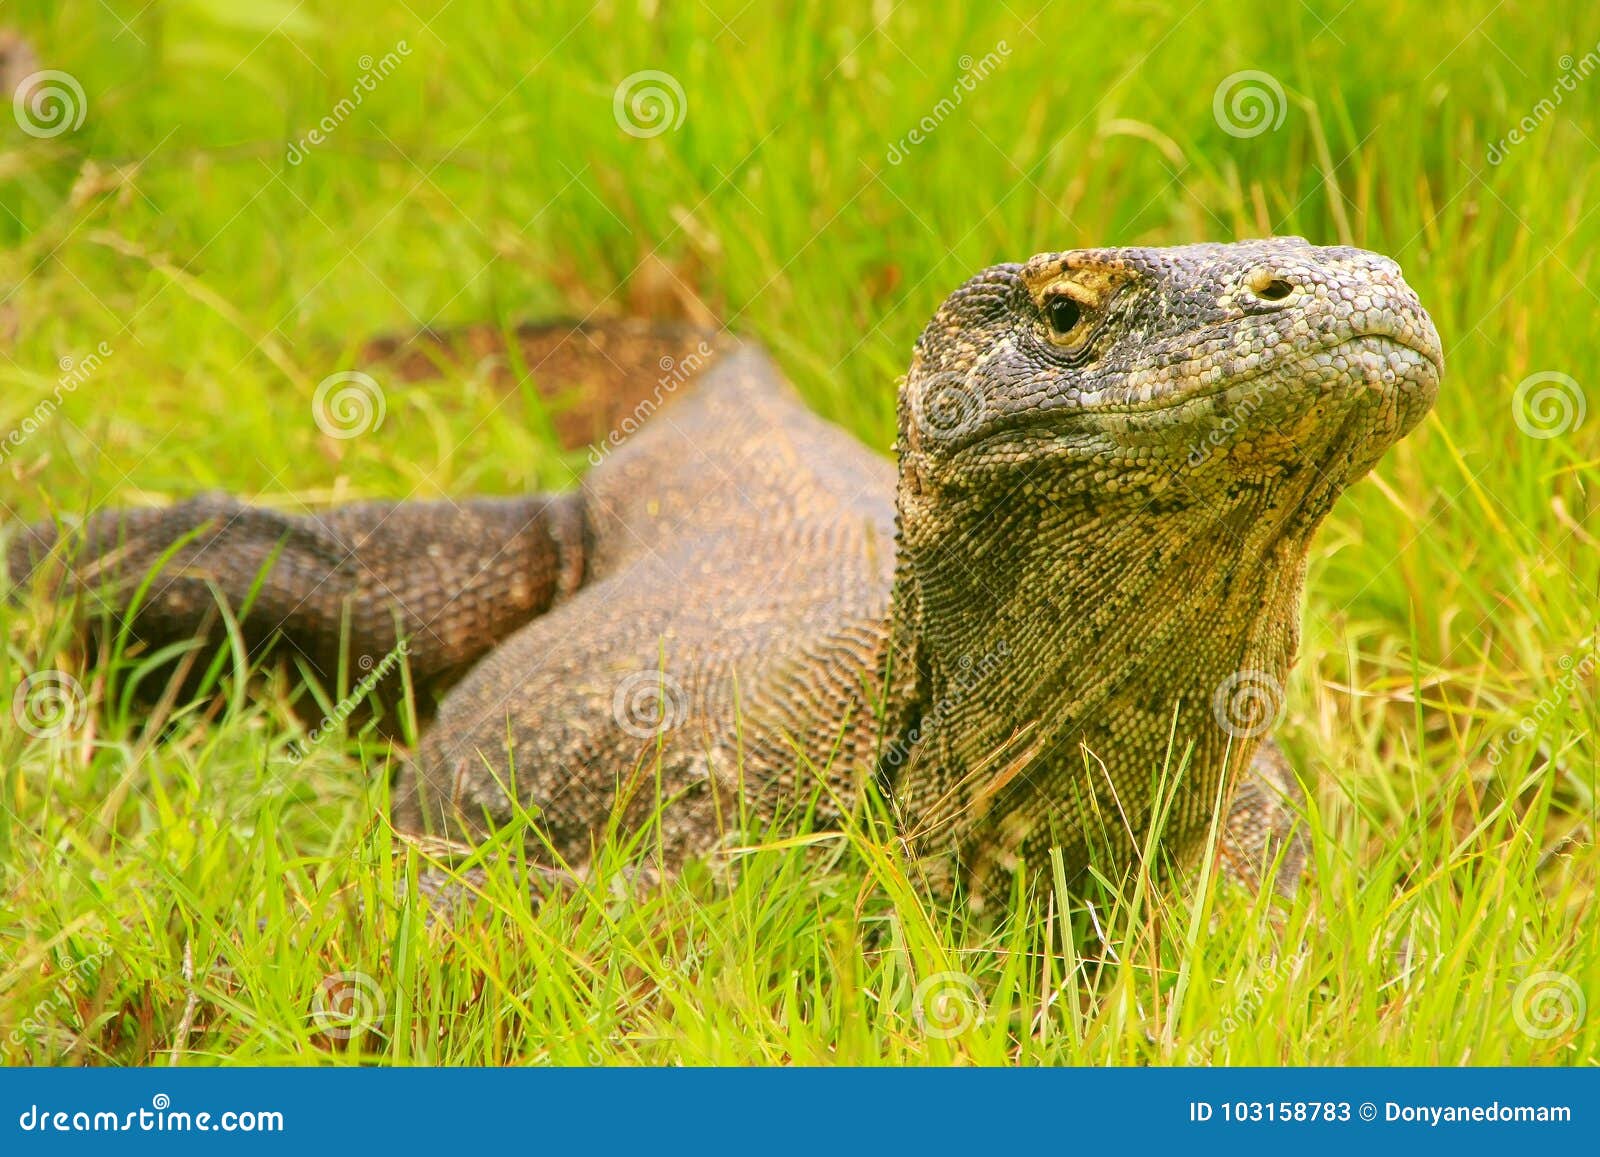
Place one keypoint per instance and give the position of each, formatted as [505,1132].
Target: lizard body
[1111,464]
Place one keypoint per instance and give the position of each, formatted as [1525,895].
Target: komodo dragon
[1111,462]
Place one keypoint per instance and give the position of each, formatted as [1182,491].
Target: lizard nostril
[1268,286]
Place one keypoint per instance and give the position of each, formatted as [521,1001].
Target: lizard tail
[596,375]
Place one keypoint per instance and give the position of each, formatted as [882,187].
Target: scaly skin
[1126,508]
[1047,636]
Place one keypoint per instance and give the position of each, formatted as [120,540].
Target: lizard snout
[1269,287]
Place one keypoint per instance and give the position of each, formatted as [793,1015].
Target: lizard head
[1165,372]
[1111,465]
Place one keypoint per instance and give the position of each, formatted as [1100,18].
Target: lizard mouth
[1354,372]
[1383,360]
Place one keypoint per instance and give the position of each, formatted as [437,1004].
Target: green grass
[1450,596]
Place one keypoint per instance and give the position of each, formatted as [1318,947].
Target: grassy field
[181,269]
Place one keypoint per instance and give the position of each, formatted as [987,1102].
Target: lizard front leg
[1264,832]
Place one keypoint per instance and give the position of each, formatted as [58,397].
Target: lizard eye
[1064,314]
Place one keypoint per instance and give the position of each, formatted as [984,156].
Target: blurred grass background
[487,177]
